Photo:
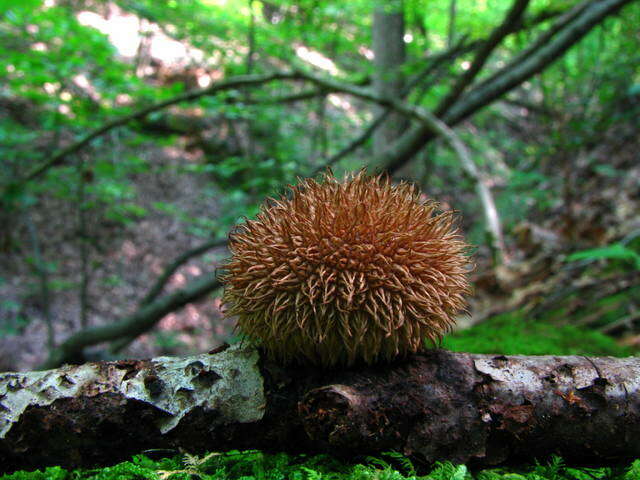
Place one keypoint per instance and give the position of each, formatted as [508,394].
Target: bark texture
[389,55]
[479,409]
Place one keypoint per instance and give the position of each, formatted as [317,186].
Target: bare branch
[60,157]
[435,62]
[517,72]
[294,97]
[139,322]
[162,280]
[481,57]
[41,269]
[155,291]
[542,40]
[356,143]
[410,143]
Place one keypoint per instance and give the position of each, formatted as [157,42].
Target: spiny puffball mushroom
[344,272]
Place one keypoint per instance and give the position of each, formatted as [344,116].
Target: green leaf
[615,251]
[460,473]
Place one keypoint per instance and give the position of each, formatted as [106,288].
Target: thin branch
[530,106]
[294,97]
[83,236]
[60,157]
[410,143]
[517,72]
[436,61]
[139,322]
[624,322]
[359,141]
[155,291]
[560,23]
[42,271]
[482,55]
[452,22]
[540,17]
[420,86]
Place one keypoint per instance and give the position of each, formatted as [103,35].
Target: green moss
[50,473]
[511,334]
[253,465]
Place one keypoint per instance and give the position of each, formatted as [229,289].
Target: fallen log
[478,409]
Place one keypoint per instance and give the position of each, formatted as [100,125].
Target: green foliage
[615,251]
[512,334]
[50,473]
[254,465]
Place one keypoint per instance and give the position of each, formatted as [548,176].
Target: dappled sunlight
[173,152]
[366,52]
[129,250]
[178,280]
[51,88]
[126,31]
[123,99]
[66,111]
[83,82]
[342,102]
[122,29]
[39,47]
[193,270]
[198,326]
[187,318]
[316,59]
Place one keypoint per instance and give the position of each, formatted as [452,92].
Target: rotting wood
[478,409]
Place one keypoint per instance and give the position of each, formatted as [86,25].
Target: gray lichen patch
[229,383]
[509,371]
[21,390]
[618,377]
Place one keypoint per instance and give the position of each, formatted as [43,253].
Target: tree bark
[389,55]
[477,409]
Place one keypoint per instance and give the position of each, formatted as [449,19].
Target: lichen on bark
[229,383]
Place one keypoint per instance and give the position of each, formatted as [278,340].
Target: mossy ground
[506,334]
[254,465]
[512,334]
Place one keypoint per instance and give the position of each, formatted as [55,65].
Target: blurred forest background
[134,134]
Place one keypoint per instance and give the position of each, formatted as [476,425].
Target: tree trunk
[478,409]
[389,55]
